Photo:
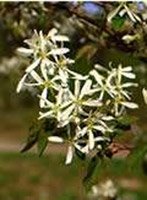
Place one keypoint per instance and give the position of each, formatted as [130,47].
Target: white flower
[72,145]
[46,55]
[102,86]
[115,86]
[115,81]
[61,64]
[38,81]
[120,72]
[55,108]
[120,90]
[95,129]
[77,100]
[105,189]
[119,106]
[70,149]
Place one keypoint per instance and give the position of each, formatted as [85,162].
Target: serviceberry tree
[87,111]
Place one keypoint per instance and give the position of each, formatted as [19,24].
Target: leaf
[31,141]
[34,132]
[80,155]
[136,158]
[90,172]
[42,143]
[118,22]
[124,123]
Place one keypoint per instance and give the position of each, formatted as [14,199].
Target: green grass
[27,177]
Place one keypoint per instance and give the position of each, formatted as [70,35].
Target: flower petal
[43,96]
[25,51]
[52,32]
[91,140]
[126,85]
[97,77]
[144,93]
[127,69]
[67,112]
[59,51]
[21,83]
[69,155]
[129,75]
[108,118]
[60,38]
[45,115]
[31,84]
[99,128]
[33,65]
[130,105]
[55,139]
[36,77]
[44,69]
[76,75]
[92,103]
[77,88]
[86,88]
[99,139]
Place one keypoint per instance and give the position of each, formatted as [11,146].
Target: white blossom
[88,102]
[45,52]
[78,100]
[103,190]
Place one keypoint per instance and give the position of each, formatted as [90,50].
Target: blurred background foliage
[92,40]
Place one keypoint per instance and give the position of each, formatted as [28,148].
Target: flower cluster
[105,190]
[84,106]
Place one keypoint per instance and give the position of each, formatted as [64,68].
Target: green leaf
[34,132]
[42,143]
[118,22]
[124,123]
[80,155]
[136,159]
[31,141]
[87,181]
[38,133]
